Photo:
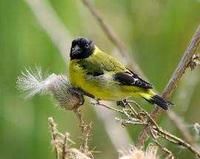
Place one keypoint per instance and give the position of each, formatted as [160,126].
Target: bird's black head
[81,48]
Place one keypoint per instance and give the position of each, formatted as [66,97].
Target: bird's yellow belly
[102,87]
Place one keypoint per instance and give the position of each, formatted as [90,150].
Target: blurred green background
[156,32]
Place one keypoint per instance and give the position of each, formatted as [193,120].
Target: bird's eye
[87,45]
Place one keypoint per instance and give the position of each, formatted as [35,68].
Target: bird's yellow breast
[102,87]
[93,85]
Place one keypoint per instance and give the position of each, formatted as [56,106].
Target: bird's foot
[122,103]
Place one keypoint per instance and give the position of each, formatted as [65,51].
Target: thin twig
[109,107]
[173,82]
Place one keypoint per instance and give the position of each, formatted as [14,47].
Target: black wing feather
[131,79]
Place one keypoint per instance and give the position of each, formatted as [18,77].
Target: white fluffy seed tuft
[32,82]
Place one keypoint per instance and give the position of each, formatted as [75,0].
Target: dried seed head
[62,143]
[32,82]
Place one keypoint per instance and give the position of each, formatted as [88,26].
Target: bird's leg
[122,103]
[98,101]
[85,93]
[82,92]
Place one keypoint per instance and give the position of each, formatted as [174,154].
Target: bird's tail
[153,98]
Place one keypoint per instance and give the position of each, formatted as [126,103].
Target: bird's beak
[75,49]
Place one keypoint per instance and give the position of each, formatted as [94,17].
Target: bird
[103,77]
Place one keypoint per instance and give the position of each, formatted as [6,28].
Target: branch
[173,82]
[179,123]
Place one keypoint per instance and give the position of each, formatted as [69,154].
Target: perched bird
[103,77]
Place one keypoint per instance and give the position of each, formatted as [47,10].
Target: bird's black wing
[129,78]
